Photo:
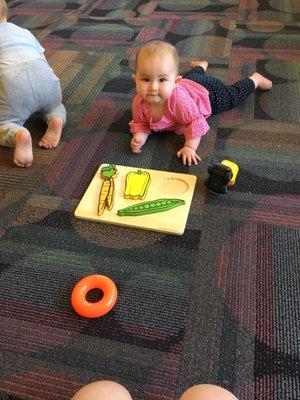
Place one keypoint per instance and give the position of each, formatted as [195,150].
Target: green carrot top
[108,171]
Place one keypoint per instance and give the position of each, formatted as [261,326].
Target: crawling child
[166,101]
[27,85]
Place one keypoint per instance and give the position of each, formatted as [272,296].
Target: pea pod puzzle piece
[136,185]
[150,207]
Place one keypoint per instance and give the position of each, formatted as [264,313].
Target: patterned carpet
[219,304]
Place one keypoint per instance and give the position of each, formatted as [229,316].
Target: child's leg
[223,97]
[16,105]
[203,64]
[55,120]
[198,69]
[261,82]
[47,92]
[13,135]
[226,97]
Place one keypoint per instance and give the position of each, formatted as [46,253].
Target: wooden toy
[107,192]
[164,185]
[136,185]
[97,309]
[221,176]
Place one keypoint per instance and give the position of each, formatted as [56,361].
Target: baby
[27,85]
[166,101]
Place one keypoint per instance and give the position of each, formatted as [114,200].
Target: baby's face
[155,77]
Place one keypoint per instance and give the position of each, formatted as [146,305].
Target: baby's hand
[138,141]
[189,156]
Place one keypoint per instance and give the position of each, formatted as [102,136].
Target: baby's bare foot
[23,149]
[52,134]
[203,64]
[138,141]
[260,81]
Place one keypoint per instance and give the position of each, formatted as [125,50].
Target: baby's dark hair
[158,47]
[3,8]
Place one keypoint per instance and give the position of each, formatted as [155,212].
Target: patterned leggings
[222,97]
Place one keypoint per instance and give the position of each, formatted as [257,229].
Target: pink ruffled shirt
[185,112]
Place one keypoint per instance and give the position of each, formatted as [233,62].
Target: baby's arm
[139,126]
[188,151]
[138,141]
[192,119]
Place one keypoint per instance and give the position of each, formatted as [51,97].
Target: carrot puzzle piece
[136,185]
[107,192]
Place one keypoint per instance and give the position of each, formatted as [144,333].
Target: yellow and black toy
[221,176]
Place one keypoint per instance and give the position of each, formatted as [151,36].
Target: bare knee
[207,392]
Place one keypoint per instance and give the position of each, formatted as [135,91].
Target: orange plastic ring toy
[94,310]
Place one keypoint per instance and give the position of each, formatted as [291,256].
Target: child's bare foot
[203,64]
[138,141]
[260,81]
[23,156]
[52,134]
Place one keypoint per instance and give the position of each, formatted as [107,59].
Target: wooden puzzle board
[163,185]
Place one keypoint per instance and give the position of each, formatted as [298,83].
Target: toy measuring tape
[94,310]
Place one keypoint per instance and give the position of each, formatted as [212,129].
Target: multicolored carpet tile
[219,304]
